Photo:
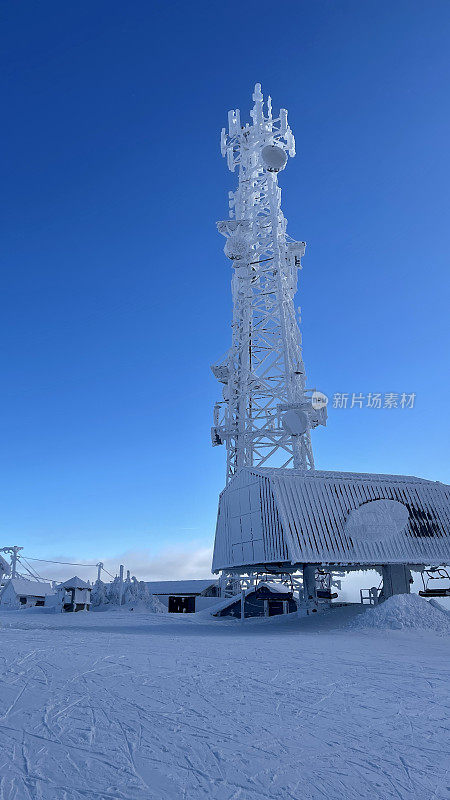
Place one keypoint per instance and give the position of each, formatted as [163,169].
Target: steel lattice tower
[267,413]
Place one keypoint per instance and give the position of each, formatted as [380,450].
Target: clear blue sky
[115,291]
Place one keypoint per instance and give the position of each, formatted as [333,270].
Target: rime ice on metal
[267,412]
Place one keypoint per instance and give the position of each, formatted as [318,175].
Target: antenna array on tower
[266,413]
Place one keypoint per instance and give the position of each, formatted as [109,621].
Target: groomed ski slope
[138,706]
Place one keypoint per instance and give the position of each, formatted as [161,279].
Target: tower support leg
[309,587]
[396,580]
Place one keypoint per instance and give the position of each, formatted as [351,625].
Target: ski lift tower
[267,412]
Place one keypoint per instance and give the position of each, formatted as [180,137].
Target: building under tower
[277,513]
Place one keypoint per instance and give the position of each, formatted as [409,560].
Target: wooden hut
[268,599]
[75,594]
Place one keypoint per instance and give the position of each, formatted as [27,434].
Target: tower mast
[267,413]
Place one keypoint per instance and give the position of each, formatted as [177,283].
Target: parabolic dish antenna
[295,422]
[376,521]
[274,158]
[237,247]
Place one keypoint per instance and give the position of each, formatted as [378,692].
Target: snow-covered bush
[135,596]
[99,594]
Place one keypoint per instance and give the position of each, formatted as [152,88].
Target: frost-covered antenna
[266,413]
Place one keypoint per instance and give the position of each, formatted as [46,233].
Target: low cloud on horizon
[174,563]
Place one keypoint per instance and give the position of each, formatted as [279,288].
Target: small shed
[23,593]
[75,594]
[185,597]
[268,599]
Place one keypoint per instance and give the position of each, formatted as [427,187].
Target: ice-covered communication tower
[277,520]
[267,412]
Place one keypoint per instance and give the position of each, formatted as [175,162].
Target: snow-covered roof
[180,587]
[25,587]
[221,604]
[273,516]
[273,586]
[76,583]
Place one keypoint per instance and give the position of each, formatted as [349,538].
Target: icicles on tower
[267,412]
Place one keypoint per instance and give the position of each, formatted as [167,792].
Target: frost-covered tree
[99,594]
[135,594]
[113,591]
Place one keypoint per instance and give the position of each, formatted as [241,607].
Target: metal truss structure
[232,583]
[267,413]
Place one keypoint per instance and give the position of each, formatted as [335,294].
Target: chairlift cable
[108,573]
[68,563]
[29,568]
[50,561]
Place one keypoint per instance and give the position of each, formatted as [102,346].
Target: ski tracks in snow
[142,708]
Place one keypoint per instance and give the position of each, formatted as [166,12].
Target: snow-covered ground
[139,706]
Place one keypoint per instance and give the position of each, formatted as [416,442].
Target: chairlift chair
[435,573]
[324,592]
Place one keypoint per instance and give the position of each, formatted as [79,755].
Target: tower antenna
[267,412]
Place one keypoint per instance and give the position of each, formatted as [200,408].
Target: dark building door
[180,605]
[275,607]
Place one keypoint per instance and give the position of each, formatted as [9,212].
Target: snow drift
[404,611]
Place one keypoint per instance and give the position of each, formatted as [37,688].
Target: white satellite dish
[376,521]
[275,158]
[319,399]
[221,372]
[237,247]
[295,422]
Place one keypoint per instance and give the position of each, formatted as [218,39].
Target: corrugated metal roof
[180,587]
[292,516]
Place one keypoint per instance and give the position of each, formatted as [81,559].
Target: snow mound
[404,611]
[151,603]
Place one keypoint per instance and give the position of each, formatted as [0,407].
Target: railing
[369,596]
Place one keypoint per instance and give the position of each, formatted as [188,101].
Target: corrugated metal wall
[275,515]
[248,526]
